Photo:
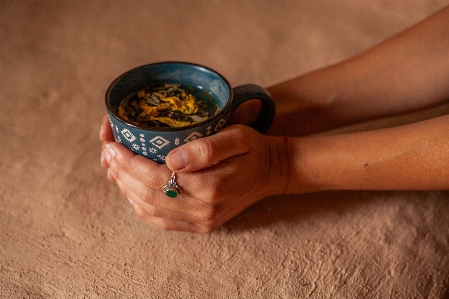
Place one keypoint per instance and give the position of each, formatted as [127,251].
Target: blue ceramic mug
[155,143]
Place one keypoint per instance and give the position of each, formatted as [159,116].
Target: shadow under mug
[155,143]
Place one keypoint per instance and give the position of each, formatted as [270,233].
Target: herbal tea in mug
[168,105]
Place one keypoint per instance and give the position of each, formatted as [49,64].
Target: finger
[122,160]
[171,225]
[204,152]
[148,178]
[151,175]
[184,207]
[105,156]
[106,130]
[103,160]
[106,136]
[159,205]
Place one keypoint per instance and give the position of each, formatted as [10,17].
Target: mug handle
[246,92]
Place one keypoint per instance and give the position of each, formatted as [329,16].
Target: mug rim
[167,129]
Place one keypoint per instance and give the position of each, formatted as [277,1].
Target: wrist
[308,170]
[279,169]
[287,176]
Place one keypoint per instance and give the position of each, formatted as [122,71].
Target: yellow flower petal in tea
[122,113]
[148,111]
[187,105]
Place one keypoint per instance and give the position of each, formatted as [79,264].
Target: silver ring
[172,189]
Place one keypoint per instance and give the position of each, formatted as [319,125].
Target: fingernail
[178,160]
[109,153]
[103,159]
[110,175]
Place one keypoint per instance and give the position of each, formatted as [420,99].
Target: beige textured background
[66,232]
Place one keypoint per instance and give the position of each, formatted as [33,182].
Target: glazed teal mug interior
[156,142]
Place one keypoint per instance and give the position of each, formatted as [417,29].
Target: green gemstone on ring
[171,193]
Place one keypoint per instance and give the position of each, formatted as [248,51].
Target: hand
[220,176]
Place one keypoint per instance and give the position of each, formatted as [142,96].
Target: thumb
[204,152]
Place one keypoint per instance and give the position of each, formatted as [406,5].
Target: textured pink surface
[67,232]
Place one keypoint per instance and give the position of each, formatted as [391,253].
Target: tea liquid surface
[168,105]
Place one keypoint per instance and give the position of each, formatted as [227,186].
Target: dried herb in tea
[169,105]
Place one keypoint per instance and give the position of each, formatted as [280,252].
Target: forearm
[407,72]
[410,157]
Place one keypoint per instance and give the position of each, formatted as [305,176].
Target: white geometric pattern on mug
[220,125]
[159,142]
[128,135]
[193,136]
[144,149]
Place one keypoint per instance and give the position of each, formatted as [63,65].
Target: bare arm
[407,72]
[410,157]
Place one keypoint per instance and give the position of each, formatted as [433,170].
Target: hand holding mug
[217,177]
[225,174]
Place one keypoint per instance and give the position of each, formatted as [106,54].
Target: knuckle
[213,197]
[216,193]
[240,134]
[147,195]
[154,178]
[209,215]
[216,187]
[205,149]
